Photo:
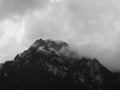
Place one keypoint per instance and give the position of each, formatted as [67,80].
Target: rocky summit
[49,64]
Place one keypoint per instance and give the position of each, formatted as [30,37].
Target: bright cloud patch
[11,38]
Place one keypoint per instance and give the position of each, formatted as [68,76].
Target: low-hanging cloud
[90,26]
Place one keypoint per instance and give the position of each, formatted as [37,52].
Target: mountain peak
[49,46]
[47,64]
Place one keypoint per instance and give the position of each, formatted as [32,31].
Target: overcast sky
[91,26]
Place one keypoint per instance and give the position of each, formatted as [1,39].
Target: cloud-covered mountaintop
[43,66]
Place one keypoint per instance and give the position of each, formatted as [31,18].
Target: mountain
[49,64]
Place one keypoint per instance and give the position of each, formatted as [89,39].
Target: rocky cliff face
[51,64]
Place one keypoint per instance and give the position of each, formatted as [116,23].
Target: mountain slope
[51,64]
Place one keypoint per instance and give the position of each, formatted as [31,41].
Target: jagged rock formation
[51,64]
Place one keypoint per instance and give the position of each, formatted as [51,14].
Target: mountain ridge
[51,64]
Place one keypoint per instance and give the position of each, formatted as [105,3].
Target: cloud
[13,15]
[11,39]
[13,7]
[90,26]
